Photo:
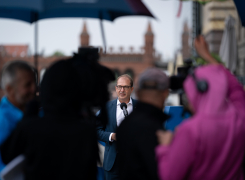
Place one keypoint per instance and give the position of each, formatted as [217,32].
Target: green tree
[201,61]
[58,54]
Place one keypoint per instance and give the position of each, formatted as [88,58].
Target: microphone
[124,108]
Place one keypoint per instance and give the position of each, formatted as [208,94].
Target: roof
[14,50]
[122,58]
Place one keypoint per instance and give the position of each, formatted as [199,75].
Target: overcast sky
[63,34]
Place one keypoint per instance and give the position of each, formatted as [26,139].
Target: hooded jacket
[211,144]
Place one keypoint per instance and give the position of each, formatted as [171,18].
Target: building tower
[84,36]
[185,42]
[149,47]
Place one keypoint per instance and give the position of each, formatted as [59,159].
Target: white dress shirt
[119,114]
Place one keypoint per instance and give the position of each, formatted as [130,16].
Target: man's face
[123,93]
[24,87]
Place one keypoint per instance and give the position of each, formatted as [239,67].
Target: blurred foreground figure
[18,83]
[62,144]
[210,145]
[137,133]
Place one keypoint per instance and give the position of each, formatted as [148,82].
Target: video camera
[96,78]
[78,82]
[176,81]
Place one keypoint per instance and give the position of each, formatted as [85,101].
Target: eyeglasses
[124,87]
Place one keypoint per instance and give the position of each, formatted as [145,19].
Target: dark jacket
[136,141]
[103,134]
[61,145]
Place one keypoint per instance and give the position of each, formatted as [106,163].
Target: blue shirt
[9,117]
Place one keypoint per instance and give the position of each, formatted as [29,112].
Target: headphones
[201,84]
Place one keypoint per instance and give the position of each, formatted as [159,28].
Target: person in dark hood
[62,144]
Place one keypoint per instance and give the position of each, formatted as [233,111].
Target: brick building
[21,52]
[131,62]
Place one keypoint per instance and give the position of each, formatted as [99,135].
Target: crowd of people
[58,138]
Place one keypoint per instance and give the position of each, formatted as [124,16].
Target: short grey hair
[9,71]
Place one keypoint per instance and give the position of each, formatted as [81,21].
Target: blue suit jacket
[103,134]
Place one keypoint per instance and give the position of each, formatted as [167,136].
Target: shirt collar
[130,101]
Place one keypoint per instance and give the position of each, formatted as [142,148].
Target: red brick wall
[42,63]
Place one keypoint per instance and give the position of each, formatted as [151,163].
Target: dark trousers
[113,174]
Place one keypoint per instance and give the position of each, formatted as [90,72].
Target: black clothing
[136,142]
[61,145]
[55,148]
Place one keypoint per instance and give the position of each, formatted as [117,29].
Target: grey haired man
[18,83]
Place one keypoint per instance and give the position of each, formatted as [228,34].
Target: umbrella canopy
[33,10]
[228,47]
[103,9]
[25,10]
[240,4]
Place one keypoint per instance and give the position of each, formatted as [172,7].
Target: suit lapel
[114,115]
[134,103]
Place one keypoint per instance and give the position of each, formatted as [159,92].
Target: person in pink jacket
[211,144]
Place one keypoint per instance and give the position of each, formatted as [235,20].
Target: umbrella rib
[103,35]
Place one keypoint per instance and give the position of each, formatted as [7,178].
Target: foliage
[58,54]
[201,61]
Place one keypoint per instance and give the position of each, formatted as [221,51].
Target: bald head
[153,87]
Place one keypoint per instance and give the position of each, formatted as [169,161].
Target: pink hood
[214,101]
[211,144]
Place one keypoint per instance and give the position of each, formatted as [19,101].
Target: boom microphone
[124,108]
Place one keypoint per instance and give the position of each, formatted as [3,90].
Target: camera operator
[210,145]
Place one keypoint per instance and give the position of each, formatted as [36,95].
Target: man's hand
[203,50]
[164,138]
[113,137]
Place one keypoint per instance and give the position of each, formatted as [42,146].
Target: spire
[186,49]
[186,28]
[84,28]
[84,36]
[149,45]
[149,29]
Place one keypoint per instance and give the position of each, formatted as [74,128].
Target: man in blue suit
[124,88]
